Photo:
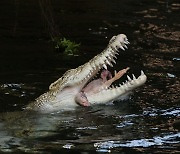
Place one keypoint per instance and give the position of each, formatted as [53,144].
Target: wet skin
[97,85]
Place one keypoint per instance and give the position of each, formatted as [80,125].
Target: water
[147,123]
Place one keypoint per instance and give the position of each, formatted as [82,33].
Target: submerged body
[74,87]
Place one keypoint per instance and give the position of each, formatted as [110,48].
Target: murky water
[147,122]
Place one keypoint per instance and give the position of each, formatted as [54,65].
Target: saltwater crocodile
[74,87]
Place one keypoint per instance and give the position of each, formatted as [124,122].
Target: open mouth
[106,79]
[79,87]
[84,74]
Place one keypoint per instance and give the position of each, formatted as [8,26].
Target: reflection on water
[148,122]
[155,141]
[98,128]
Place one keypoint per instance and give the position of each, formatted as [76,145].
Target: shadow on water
[147,122]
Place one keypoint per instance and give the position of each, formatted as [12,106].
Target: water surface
[147,122]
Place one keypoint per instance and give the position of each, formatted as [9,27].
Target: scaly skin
[63,93]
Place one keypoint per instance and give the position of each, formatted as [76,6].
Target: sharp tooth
[133,77]
[126,42]
[115,56]
[111,54]
[125,46]
[121,47]
[123,83]
[115,72]
[104,65]
[109,57]
[113,61]
[111,65]
[108,62]
[129,78]
[114,48]
[142,73]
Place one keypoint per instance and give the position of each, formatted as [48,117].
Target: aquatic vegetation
[61,44]
[68,47]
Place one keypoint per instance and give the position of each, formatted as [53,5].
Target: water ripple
[155,141]
[155,112]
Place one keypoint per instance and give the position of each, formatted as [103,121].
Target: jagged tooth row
[99,61]
[119,42]
[109,54]
[107,58]
[129,78]
[113,47]
[128,82]
[133,77]
[112,93]
[142,73]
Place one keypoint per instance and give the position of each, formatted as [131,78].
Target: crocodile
[77,87]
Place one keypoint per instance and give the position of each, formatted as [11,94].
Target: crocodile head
[62,93]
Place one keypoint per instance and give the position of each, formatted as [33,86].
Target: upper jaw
[109,54]
[106,57]
[82,74]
